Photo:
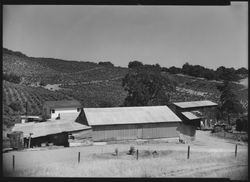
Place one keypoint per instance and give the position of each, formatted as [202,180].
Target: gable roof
[62,104]
[193,104]
[65,124]
[130,115]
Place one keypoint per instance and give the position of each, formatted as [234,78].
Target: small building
[52,131]
[193,105]
[126,123]
[53,109]
[191,115]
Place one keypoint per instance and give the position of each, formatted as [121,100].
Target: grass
[232,136]
[167,164]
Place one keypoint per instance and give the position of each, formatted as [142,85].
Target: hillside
[52,71]
[90,83]
[16,96]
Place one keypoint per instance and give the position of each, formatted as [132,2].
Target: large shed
[52,131]
[123,123]
[194,105]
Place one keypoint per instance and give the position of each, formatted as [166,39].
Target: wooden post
[188,152]
[29,140]
[79,157]
[13,162]
[235,150]
[116,152]
[137,154]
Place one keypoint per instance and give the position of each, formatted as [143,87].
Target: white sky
[211,36]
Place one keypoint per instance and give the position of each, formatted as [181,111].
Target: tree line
[221,73]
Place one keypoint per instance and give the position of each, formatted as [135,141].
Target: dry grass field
[214,158]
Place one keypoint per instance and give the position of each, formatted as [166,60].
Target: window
[53,110]
[78,109]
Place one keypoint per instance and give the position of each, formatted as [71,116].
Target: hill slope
[16,96]
[52,71]
[90,83]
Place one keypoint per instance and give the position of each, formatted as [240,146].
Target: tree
[104,103]
[174,70]
[186,68]
[146,87]
[228,74]
[135,64]
[107,63]
[229,103]
[241,71]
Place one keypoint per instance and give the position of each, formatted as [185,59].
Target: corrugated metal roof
[130,115]
[65,124]
[190,115]
[63,103]
[204,103]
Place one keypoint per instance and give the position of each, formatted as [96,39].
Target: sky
[210,36]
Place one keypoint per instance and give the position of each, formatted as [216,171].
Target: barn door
[139,131]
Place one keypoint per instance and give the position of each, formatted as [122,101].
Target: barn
[128,123]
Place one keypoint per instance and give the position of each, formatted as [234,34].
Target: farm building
[123,123]
[52,131]
[53,109]
[193,105]
[192,114]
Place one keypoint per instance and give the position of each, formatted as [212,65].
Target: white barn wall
[63,110]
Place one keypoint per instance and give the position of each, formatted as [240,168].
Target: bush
[217,129]
[244,138]
[131,150]
[11,78]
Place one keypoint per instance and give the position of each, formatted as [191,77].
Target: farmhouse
[123,123]
[54,109]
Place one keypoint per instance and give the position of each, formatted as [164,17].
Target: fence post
[116,152]
[235,150]
[137,154]
[13,162]
[188,152]
[78,157]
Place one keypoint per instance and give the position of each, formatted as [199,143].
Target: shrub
[131,150]
[11,78]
